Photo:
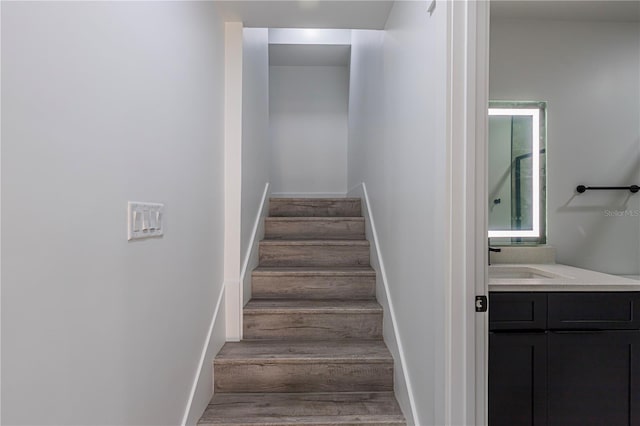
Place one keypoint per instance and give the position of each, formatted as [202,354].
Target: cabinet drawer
[517,311]
[594,311]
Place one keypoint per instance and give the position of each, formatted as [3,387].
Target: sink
[520,272]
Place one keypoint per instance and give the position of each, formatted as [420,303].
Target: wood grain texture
[318,409]
[314,283]
[314,253]
[299,366]
[349,351]
[312,320]
[315,207]
[292,228]
[308,377]
[286,306]
[313,352]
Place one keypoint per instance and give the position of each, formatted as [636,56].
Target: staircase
[313,352]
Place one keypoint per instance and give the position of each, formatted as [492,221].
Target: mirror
[516,170]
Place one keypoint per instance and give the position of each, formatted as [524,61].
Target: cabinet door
[517,379]
[594,378]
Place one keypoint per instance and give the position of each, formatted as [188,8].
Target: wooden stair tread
[314,218]
[317,282]
[287,351]
[322,408]
[314,270]
[310,207]
[314,228]
[287,306]
[314,243]
[305,200]
[314,253]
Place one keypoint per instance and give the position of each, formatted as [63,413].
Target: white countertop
[560,278]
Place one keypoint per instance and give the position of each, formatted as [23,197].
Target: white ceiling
[309,54]
[568,10]
[372,14]
[346,14]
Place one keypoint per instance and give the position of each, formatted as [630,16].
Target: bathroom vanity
[564,347]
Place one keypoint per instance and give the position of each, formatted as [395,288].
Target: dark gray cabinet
[564,359]
[518,311]
[517,379]
[594,378]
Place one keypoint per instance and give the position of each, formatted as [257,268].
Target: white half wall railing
[251,255]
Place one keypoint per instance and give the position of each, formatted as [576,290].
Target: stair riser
[297,421]
[313,326]
[313,287]
[315,208]
[344,229]
[324,255]
[343,408]
[306,422]
[305,377]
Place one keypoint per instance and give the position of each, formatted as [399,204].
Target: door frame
[467,118]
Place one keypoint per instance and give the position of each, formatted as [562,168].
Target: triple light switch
[145,220]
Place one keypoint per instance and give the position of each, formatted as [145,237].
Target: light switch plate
[145,220]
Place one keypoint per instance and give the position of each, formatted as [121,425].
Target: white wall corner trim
[467,99]
[0,221]
[205,347]
[232,177]
[391,311]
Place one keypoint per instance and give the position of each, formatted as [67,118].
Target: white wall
[397,146]
[308,121]
[588,74]
[255,138]
[308,36]
[104,103]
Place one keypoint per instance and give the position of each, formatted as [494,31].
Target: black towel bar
[632,188]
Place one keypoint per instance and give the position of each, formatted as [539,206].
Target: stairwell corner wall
[397,145]
[402,380]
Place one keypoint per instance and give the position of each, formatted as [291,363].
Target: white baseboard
[403,388]
[309,194]
[211,346]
